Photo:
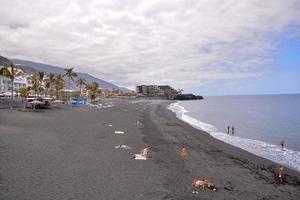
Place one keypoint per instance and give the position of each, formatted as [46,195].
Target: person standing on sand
[183,153]
[232,130]
[282,143]
[281,174]
[228,129]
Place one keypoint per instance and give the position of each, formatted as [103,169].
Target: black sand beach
[68,153]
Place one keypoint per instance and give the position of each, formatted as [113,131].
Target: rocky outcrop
[182,97]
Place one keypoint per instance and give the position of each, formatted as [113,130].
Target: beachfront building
[141,89]
[106,91]
[6,84]
[161,91]
[21,81]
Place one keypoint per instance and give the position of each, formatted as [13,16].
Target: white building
[5,83]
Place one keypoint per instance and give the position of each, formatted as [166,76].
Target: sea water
[260,123]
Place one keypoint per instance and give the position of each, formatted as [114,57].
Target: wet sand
[68,153]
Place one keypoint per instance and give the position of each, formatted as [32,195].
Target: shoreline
[232,158]
[239,148]
[273,152]
[69,153]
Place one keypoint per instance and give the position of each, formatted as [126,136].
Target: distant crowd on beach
[282,142]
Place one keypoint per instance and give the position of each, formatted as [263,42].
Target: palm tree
[11,72]
[80,82]
[24,91]
[34,80]
[40,76]
[49,83]
[71,75]
[59,83]
[92,88]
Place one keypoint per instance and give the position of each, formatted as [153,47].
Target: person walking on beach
[183,153]
[232,130]
[228,129]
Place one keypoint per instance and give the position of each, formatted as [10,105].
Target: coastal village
[102,100]
[123,116]
[20,86]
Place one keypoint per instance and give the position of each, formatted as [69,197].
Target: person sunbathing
[145,152]
[203,183]
[210,185]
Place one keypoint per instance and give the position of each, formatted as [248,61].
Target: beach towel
[119,132]
[139,157]
[122,146]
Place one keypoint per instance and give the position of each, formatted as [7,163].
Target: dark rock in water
[188,97]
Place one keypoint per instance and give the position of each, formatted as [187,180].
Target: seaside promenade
[5,102]
[68,153]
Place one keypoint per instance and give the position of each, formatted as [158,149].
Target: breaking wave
[272,152]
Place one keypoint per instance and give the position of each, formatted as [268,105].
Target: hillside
[4,61]
[30,67]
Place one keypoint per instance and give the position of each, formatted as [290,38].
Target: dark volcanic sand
[68,153]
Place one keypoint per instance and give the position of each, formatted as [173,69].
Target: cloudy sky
[202,46]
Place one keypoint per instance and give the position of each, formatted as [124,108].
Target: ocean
[260,123]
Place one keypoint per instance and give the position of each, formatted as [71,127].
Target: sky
[208,47]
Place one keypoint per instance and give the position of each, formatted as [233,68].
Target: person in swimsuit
[183,153]
[281,174]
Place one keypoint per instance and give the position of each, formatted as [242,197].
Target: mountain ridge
[31,66]
[4,61]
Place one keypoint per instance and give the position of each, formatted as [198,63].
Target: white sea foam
[272,152]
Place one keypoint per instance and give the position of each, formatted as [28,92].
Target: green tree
[24,92]
[80,82]
[11,72]
[51,80]
[71,74]
[40,76]
[92,88]
[47,85]
[115,91]
[59,83]
[34,81]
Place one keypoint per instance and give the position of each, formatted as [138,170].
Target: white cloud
[183,43]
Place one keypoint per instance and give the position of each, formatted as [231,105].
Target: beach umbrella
[35,102]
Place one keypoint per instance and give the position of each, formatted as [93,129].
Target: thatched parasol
[35,102]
